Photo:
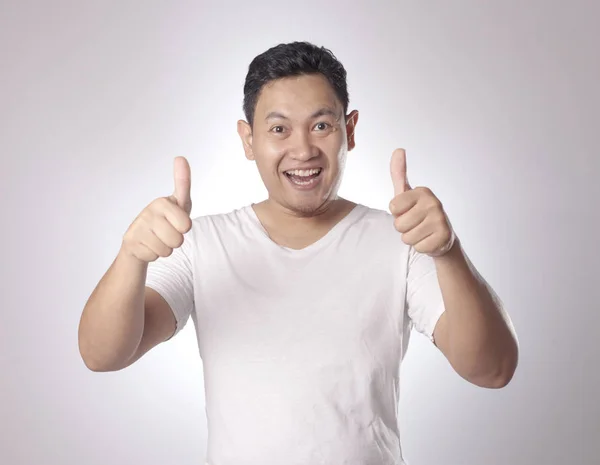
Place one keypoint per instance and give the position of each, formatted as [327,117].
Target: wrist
[128,260]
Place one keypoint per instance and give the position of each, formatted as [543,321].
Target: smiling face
[299,140]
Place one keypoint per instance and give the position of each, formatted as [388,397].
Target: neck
[324,212]
[276,216]
[296,230]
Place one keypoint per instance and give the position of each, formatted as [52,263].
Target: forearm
[479,338]
[112,322]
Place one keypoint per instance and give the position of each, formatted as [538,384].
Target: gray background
[496,103]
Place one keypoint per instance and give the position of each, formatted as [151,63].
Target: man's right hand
[160,227]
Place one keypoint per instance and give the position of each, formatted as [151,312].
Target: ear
[245,132]
[351,121]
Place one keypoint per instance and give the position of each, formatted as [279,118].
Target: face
[299,141]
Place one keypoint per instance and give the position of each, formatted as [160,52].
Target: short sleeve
[172,278]
[424,299]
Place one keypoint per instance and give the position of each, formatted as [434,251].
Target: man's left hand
[418,213]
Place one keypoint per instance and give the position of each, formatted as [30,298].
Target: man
[303,303]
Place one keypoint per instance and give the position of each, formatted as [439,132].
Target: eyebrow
[325,111]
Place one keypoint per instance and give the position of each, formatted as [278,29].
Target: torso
[301,348]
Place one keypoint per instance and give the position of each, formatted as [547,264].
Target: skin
[475,332]
[123,319]
[300,123]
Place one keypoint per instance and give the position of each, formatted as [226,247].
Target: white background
[496,103]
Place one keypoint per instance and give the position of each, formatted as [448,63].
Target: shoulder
[211,227]
[373,217]
[376,226]
[222,220]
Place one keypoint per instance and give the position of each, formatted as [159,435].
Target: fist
[160,227]
[418,214]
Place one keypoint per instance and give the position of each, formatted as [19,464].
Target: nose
[302,147]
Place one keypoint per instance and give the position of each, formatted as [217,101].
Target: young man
[303,303]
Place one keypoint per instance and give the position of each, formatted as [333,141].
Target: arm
[474,333]
[123,319]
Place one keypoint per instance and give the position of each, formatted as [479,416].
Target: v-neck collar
[321,243]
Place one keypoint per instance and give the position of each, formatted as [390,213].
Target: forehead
[297,95]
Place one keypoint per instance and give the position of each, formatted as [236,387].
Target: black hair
[293,59]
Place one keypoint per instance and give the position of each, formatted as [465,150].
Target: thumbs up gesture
[160,227]
[418,214]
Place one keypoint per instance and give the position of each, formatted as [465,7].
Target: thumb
[183,183]
[398,172]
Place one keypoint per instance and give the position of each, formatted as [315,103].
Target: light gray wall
[496,103]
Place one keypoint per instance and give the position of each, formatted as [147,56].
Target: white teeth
[304,172]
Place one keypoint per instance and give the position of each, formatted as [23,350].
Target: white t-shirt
[301,349]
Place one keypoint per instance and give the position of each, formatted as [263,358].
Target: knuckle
[434,207]
[146,215]
[149,257]
[440,217]
[398,224]
[178,241]
[184,224]
[160,204]
[165,251]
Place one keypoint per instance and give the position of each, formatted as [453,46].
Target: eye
[277,129]
[322,126]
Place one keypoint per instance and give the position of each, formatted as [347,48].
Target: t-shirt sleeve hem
[429,327]
[180,318]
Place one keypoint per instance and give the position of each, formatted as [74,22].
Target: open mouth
[304,178]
